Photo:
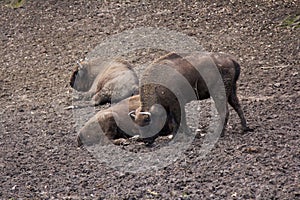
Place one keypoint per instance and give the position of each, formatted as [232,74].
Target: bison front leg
[183,124]
[181,132]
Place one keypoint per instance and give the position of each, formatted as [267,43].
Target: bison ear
[132,115]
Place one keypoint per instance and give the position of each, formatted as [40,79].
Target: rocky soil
[41,41]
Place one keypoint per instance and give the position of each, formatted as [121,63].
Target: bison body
[205,73]
[114,123]
[105,82]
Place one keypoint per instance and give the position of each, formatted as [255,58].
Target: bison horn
[146,113]
[80,65]
[132,114]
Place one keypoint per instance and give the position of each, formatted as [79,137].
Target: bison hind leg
[234,102]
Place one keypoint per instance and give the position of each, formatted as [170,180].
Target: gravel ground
[41,41]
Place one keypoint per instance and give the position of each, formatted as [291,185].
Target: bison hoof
[148,142]
[247,129]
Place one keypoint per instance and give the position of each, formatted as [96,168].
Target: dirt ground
[41,41]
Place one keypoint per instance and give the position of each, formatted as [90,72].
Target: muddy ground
[41,41]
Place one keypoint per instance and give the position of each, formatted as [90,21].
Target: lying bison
[104,82]
[114,123]
[207,84]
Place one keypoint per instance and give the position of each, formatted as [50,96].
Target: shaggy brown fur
[105,82]
[227,70]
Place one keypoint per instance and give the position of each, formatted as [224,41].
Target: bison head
[150,121]
[79,79]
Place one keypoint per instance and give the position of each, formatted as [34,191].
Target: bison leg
[171,126]
[179,118]
[234,102]
[183,124]
[224,116]
[222,109]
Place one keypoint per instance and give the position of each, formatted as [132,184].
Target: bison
[203,72]
[104,82]
[114,123]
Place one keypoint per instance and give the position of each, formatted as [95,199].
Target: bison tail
[237,70]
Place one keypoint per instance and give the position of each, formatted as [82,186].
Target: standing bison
[114,123]
[203,72]
[104,82]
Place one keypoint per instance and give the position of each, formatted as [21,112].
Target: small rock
[14,187]
[295,74]
[121,141]
[152,192]
[135,137]
[277,84]
[170,137]
[69,107]
[251,150]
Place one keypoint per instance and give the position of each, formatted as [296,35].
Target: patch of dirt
[41,41]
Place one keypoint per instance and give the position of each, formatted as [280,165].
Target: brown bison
[104,82]
[205,73]
[114,123]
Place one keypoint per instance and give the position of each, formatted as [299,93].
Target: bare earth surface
[39,157]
